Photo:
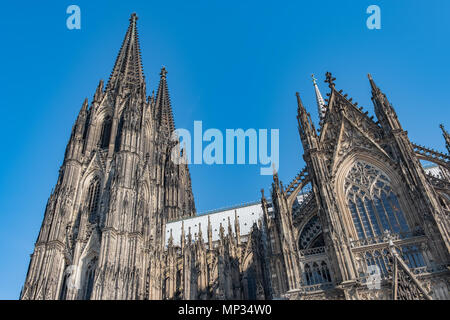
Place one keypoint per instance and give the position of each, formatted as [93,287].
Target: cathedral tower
[104,223]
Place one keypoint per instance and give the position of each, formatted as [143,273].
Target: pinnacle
[372,83]
[330,79]
[319,100]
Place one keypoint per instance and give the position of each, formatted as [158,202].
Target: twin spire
[128,74]
[128,71]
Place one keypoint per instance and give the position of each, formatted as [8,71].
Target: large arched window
[92,199]
[373,204]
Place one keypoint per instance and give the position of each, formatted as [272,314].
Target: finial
[200,230]
[321,108]
[329,79]
[209,233]
[163,72]
[299,101]
[372,83]
[133,17]
[221,231]
[85,105]
[274,170]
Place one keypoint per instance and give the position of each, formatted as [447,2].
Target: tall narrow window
[251,284]
[119,135]
[89,278]
[106,132]
[373,204]
[92,199]
[62,294]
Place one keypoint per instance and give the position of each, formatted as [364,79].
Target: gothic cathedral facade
[363,220]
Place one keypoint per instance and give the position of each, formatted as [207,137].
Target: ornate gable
[95,163]
[346,128]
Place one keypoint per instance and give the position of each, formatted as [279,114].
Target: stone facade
[362,220]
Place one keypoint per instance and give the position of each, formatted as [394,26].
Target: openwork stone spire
[128,71]
[163,107]
[320,102]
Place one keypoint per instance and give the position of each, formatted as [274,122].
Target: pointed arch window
[92,199]
[89,278]
[106,132]
[372,202]
[118,135]
[63,293]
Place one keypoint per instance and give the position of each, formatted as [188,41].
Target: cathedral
[367,218]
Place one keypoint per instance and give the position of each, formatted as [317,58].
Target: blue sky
[231,64]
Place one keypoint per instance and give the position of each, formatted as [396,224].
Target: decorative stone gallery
[365,218]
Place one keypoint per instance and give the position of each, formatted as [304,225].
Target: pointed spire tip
[372,83]
[163,72]
[133,17]
[299,101]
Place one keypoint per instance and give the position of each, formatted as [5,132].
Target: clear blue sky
[232,64]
